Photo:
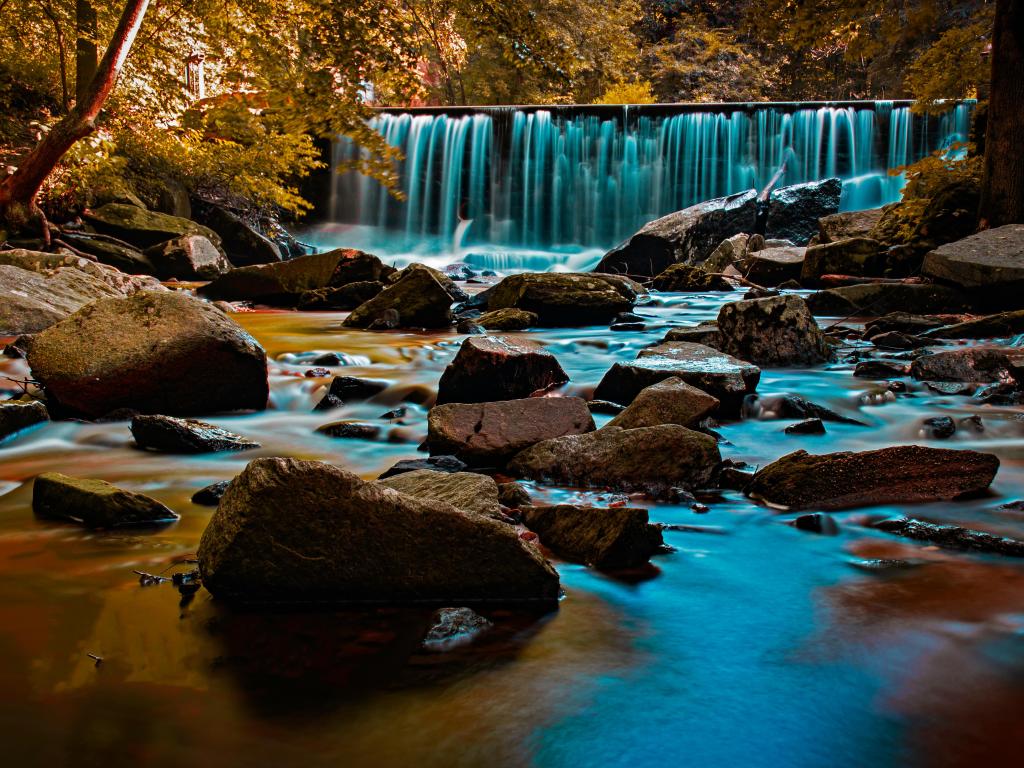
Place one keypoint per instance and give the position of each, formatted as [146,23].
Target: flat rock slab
[298,532]
[143,228]
[774,266]
[898,475]
[671,401]
[652,460]
[720,375]
[619,537]
[972,364]
[874,299]
[94,503]
[172,435]
[489,368]
[491,433]
[992,258]
[467,491]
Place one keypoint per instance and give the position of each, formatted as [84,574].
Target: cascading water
[509,187]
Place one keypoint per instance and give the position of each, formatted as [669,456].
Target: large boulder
[565,298]
[94,503]
[417,300]
[841,226]
[16,416]
[775,331]
[873,299]
[991,262]
[189,257]
[489,368]
[653,460]
[860,256]
[153,353]
[289,531]
[468,491]
[899,475]
[242,244]
[720,375]
[794,211]
[285,283]
[491,433]
[971,364]
[617,537]
[671,401]
[143,228]
[687,236]
[774,266]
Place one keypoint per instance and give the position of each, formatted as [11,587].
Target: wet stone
[807,427]
[173,435]
[343,429]
[210,495]
[939,427]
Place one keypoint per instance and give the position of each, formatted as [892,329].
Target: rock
[951,214]
[859,256]
[902,322]
[171,435]
[651,460]
[794,211]
[817,522]
[349,429]
[671,401]
[796,407]
[172,198]
[991,260]
[841,226]
[94,503]
[1000,326]
[900,475]
[509,319]
[347,389]
[617,537]
[565,299]
[243,245]
[346,540]
[605,406]
[491,433]
[16,416]
[897,340]
[470,327]
[489,368]
[728,252]
[418,298]
[387,320]
[777,331]
[951,387]
[210,495]
[143,228]
[343,299]
[686,277]
[880,369]
[285,283]
[688,236]
[774,266]
[756,243]
[452,627]
[467,491]
[874,299]
[952,536]
[806,427]
[152,353]
[705,333]
[513,495]
[436,463]
[453,290]
[189,257]
[721,376]
[122,257]
[939,427]
[973,364]
[627,327]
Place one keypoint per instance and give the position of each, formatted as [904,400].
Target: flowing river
[751,643]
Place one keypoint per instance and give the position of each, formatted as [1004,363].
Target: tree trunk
[18,191]
[1002,190]
[86,48]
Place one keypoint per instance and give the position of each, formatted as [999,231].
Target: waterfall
[564,177]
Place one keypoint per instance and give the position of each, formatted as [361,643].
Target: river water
[752,643]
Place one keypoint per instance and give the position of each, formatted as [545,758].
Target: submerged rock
[952,536]
[806,427]
[651,460]
[688,236]
[486,433]
[776,331]
[290,531]
[452,627]
[898,475]
[565,298]
[171,435]
[16,416]
[508,319]
[94,503]
[617,537]
[794,211]
[489,368]
[671,401]
[418,299]
[467,491]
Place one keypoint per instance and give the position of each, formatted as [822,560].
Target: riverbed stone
[94,503]
[998,326]
[671,401]
[488,368]
[189,257]
[775,331]
[143,228]
[992,260]
[347,389]
[794,211]
[873,299]
[688,236]
[16,416]
[491,433]
[706,333]
[841,226]
[727,253]
[242,244]
[451,287]
[508,319]
[168,434]
[418,300]
[436,463]
[774,266]
[290,531]
[970,364]
[566,299]
[858,256]
[468,491]
[687,277]
[899,475]
[653,460]
[606,538]
[162,353]
[720,375]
